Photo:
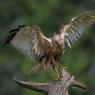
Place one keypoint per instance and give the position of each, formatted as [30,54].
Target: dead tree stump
[60,87]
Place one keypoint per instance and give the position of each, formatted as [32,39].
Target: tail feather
[40,67]
[36,69]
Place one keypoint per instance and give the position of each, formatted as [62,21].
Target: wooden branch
[60,87]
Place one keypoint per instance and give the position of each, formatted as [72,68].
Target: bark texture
[60,87]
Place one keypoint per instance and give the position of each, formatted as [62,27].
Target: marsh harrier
[30,40]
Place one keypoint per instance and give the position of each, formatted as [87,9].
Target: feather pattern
[29,40]
[77,26]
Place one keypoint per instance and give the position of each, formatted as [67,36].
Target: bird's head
[61,27]
[58,40]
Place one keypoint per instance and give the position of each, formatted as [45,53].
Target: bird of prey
[30,40]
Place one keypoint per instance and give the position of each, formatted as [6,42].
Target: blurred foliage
[49,15]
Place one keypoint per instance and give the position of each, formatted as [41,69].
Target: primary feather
[77,26]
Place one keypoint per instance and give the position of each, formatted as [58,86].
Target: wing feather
[29,40]
[77,26]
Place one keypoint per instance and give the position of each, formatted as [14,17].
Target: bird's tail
[44,65]
[39,67]
[35,69]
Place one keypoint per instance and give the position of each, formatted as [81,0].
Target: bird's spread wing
[77,26]
[29,40]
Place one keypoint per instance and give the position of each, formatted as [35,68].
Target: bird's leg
[57,70]
[58,76]
[55,67]
[61,66]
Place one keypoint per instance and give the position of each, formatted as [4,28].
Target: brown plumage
[46,51]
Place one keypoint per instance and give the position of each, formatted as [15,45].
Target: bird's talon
[62,67]
[58,78]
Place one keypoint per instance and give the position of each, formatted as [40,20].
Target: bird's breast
[54,51]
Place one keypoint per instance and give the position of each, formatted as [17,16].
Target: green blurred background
[49,15]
